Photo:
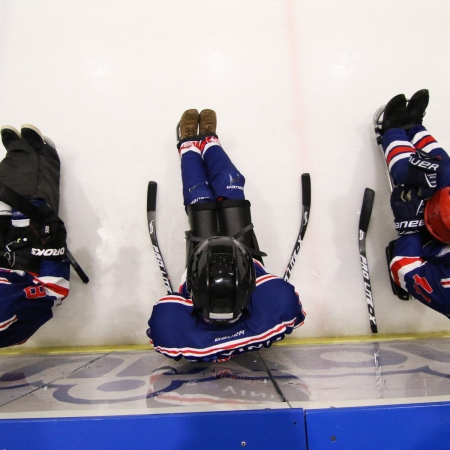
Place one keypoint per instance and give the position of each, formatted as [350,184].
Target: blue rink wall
[416,426]
[392,394]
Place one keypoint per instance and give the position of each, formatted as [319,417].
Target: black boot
[415,110]
[33,136]
[394,115]
[10,136]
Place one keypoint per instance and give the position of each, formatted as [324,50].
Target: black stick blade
[366,209]
[151,196]
[306,206]
[306,190]
[80,272]
[364,219]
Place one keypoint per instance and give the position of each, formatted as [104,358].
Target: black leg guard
[396,289]
[19,169]
[31,173]
[203,219]
[48,176]
[203,224]
[235,220]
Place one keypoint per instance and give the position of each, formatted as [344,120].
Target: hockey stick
[151,221]
[364,219]
[306,207]
[20,203]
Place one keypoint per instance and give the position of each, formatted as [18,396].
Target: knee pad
[235,220]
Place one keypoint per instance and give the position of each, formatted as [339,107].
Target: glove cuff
[5,223]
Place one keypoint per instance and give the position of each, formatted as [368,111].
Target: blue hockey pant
[207,172]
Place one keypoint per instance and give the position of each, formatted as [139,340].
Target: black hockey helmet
[220,278]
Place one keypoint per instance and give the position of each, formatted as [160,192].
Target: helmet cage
[220,277]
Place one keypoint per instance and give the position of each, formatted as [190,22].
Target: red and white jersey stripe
[54,286]
[264,278]
[401,265]
[208,142]
[175,299]
[189,146]
[227,346]
[398,150]
[6,323]
[425,142]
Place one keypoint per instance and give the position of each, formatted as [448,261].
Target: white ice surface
[294,84]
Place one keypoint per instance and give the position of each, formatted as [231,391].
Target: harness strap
[240,233]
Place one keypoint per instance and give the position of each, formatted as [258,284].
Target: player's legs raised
[193,171]
[226,181]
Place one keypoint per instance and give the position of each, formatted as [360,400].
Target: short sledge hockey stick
[364,219]
[20,203]
[151,221]
[306,207]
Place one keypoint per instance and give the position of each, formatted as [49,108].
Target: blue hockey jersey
[26,299]
[274,311]
[423,270]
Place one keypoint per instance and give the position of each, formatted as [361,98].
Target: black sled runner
[377,122]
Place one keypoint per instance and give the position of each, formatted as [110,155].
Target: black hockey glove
[47,240]
[408,208]
[421,174]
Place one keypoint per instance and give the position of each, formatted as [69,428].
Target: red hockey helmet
[437,215]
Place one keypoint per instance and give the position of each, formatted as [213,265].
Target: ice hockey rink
[295,85]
